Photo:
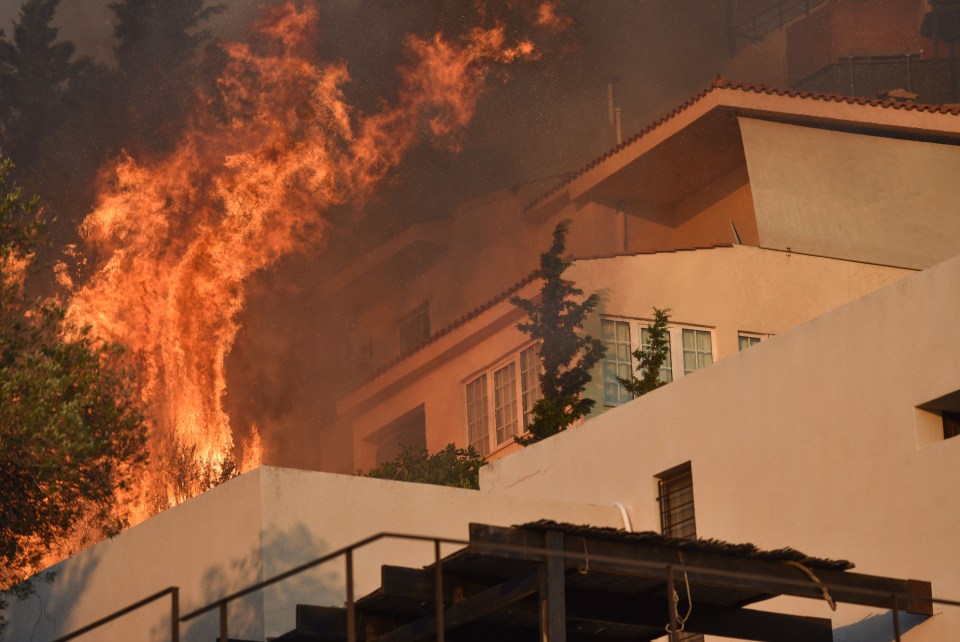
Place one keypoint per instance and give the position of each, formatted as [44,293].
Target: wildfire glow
[178,237]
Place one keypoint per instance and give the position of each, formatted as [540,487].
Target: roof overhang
[700,141]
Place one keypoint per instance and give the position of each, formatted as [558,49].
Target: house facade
[746,211]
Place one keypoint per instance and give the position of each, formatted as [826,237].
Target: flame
[178,237]
[549,18]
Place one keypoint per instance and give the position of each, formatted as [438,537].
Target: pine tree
[555,321]
[159,59]
[35,71]
[651,357]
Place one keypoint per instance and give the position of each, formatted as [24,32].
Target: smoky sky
[537,121]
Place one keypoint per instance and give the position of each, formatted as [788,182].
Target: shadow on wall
[272,607]
[877,628]
[42,615]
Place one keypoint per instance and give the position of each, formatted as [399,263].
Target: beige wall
[808,440]
[725,289]
[853,196]
[254,527]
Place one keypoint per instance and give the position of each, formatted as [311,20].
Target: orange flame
[180,236]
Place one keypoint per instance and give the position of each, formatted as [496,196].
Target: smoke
[543,119]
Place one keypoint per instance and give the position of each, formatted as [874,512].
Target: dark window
[414,327]
[407,431]
[948,407]
[676,502]
[951,424]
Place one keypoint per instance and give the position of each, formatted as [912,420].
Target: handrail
[174,593]
[774,16]
[320,560]
[526,550]
[347,552]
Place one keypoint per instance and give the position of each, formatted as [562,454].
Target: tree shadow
[270,611]
[45,613]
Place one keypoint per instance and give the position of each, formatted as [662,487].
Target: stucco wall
[726,289]
[254,527]
[853,196]
[807,440]
[208,546]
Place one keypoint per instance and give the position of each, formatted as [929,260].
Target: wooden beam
[553,597]
[460,613]
[764,578]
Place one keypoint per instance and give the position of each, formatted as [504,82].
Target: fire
[177,238]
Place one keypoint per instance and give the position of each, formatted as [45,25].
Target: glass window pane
[505,402]
[529,382]
[608,331]
[477,423]
[618,360]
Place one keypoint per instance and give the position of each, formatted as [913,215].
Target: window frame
[675,338]
[520,397]
[753,337]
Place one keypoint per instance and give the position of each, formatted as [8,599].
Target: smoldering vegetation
[127,77]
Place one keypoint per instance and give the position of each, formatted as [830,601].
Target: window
[507,393]
[951,424]
[617,361]
[623,336]
[407,431]
[697,350]
[414,327]
[939,419]
[477,417]
[747,340]
[675,497]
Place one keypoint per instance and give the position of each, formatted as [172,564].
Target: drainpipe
[626,518]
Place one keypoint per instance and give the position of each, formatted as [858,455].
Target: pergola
[565,582]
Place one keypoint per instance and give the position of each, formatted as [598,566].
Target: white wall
[257,526]
[853,196]
[807,440]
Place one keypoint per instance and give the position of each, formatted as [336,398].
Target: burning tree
[71,432]
[246,184]
[567,356]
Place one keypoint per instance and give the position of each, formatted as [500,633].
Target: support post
[351,607]
[553,610]
[224,634]
[438,595]
[672,605]
[174,614]
[896,619]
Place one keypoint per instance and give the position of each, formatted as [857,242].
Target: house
[837,437]
[745,211]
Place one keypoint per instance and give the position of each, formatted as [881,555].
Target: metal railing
[172,591]
[773,17]
[669,570]
[347,553]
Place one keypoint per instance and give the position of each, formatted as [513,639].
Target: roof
[721,84]
[600,584]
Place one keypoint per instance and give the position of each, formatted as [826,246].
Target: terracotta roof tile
[723,83]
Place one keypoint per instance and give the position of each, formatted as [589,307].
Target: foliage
[71,432]
[160,59]
[555,319]
[451,466]
[650,359]
[35,73]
